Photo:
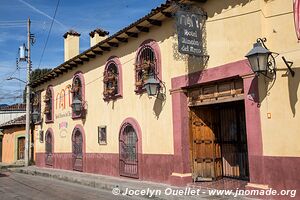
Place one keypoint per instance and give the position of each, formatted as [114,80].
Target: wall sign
[189,29]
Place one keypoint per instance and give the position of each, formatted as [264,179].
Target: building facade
[13,140]
[212,118]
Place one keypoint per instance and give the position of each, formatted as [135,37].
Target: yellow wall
[231,29]
[9,143]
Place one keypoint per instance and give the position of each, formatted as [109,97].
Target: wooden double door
[218,141]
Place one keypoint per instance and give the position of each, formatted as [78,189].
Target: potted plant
[105,92]
[47,110]
[111,91]
[110,76]
[46,98]
[139,83]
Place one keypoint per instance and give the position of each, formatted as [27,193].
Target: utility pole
[27,135]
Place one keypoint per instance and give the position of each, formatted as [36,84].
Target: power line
[48,34]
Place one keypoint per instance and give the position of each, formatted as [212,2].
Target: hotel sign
[189,29]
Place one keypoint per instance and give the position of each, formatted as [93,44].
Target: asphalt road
[15,186]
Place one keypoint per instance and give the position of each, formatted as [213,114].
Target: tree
[35,74]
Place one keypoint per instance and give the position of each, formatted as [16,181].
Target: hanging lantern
[152,86]
[77,105]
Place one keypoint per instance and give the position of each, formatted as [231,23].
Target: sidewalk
[4,166]
[114,184]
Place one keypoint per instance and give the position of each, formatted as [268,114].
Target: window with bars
[111,81]
[77,93]
[48,110]
[148,64]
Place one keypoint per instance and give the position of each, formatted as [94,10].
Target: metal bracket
[289,65]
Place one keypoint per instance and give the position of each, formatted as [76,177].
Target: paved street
[18,186]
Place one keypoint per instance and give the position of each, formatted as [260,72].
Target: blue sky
[82,16]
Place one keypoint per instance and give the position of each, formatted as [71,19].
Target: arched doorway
[49,148]
[128,147]
[77,150]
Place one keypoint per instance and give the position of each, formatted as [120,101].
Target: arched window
[147,64]
[78,96]
[49,106]
[112,79]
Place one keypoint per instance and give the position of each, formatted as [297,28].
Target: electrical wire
[48,34]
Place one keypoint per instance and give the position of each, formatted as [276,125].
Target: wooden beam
[154,22]
[121,39]
[73,65]
[167,14]
[91,55]
[79,62]
[132,34]
[104,48]
[98,52]
[143,29]
[113,44]
[84,59]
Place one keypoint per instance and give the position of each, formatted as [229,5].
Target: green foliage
[35,75]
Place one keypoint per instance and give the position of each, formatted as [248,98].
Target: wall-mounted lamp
[153,86]
[35,116]
[77,105]
[262,60]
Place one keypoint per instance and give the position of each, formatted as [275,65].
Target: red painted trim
[50,131]
[50,87]
[156,168]
[239,68]
[115,59]
[81,129]
[296,8]
[181,120]
[79,75]
[156,50]
[137,129]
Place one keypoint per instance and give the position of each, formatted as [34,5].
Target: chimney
[97,36]
[71,44]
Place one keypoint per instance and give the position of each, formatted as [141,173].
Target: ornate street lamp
[35,116]
[77,105]
[152,86]
[262,60]
[259,58]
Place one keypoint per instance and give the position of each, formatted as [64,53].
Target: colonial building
[211,116]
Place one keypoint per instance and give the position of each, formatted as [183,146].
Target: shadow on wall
[217,8]
[293,86]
